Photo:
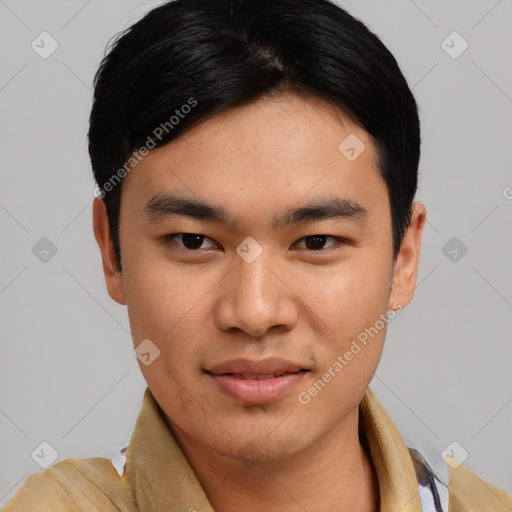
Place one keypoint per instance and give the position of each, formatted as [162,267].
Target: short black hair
[187,60]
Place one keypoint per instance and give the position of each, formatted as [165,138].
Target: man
[256,163]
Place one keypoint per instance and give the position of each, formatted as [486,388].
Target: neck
[336,473]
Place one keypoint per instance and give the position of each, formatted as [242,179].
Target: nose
[256,299]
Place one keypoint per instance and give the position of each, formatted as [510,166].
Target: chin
[257,449]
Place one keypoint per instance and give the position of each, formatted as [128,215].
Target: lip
[259,387]
[262,366]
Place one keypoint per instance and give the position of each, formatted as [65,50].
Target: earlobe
[406,266]
[113,276]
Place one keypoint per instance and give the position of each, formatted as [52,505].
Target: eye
[188,241]
[317,242]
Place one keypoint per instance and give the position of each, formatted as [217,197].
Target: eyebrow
[167,205]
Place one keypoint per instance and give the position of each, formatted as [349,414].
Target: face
[255,253]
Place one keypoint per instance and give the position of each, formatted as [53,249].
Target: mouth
[260,376]
[256,382]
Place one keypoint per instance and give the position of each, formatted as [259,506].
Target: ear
[113,277]
[407,261]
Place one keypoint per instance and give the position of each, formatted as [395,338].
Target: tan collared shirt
[158,477]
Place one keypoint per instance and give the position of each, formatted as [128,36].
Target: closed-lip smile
[251,382]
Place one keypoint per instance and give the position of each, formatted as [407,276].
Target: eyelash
[167,239]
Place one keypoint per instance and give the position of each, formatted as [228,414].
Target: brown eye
[189,241]
[317,242]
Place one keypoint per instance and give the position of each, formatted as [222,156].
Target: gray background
[68,375]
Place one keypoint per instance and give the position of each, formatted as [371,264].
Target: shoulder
[470,493]
[74,485]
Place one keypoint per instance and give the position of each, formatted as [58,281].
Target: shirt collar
[398,485]
[163,479]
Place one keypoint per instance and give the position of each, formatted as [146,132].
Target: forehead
[275,151]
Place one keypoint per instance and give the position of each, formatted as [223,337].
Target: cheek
[167,305]
[163,309]
[348,305]
[349,297]
[161,296]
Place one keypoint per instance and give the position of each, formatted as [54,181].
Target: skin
[207,306]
